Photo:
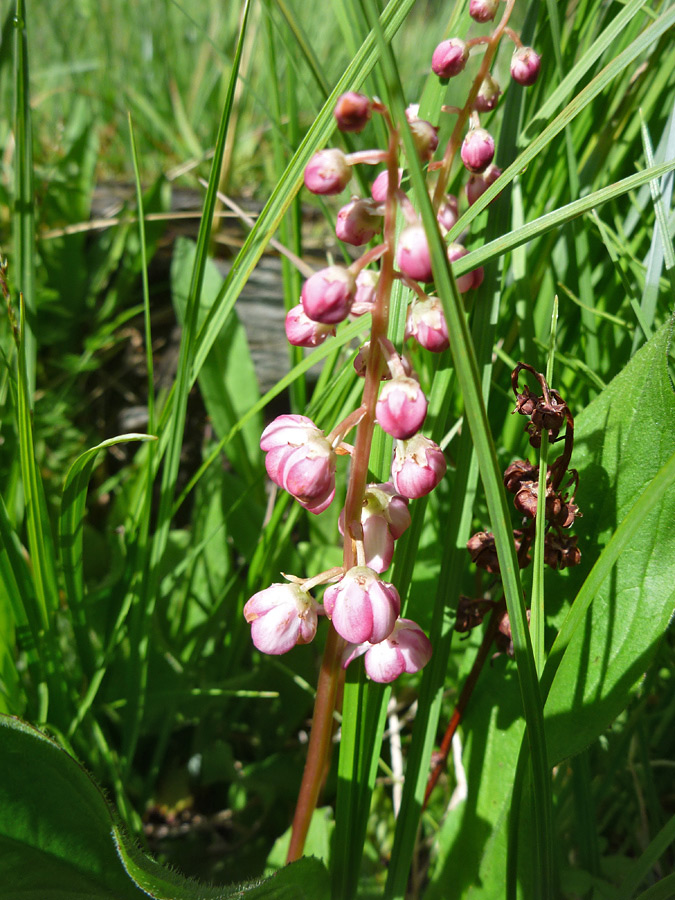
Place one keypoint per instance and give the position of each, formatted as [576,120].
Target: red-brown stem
[467,690]
[456,136]
[331,675]
[318,750]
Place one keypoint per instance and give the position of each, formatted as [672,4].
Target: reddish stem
[332,675]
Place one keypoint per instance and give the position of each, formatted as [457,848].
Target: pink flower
[464,282]
[478,184]
[366,291]
[362,607]
[407,649]
[327,172]
[357,222]
[302,331]
[412,254]
[483,10]
[488,95]
[384,518]
[352,111]
[379,187]
[426,323]
[447,212]
[425,136]
[281,616]
[449,58]
[401,407]
[525,65]
[327,296]
[418,467]
[478,150]
[300,460]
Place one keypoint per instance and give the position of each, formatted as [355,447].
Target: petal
[276,632]
[384,662]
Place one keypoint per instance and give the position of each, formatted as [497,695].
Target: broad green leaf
[227,379]
[60,840]
[622,440]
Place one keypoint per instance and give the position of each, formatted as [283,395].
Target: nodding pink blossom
[327,172]
[302,331]
[525,65]
[379,187]
[300,460]
[280,617]
[407,649]
[466,281]
[449,58]
[412,254]
[362,607]
[327,296]
[352,111]
[425,136]
[357,222]
[384,518]
[426,323]
[478,150]
[488,95]
[366,290]
[448,212]
[418,466]
[401,408]
[478,184]
[483,10]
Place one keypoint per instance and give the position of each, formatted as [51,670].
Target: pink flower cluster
[300,458]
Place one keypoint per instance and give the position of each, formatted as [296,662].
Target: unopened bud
[478,184]
[357,223]
[302,331]
[401,408]
[483,10]
[478,150]
[425,136]
[449,58]
[366,290]
[464,282]
[281,616]
[328,295]
[426,323]
[488,95]
[327,172]
[412,254]
[525,65]
[362,607]
[447,212]
[379,187]
[407,649]
[352,111]
[418,466]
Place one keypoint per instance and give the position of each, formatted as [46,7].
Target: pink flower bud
[300,460]
[418,466]
[379,187]
[488,95]
[426,323]
[366,290]
[407,649]
[425,136]
[412,254]
[478,184]
[357,223]
[478,276]
[401,408]
[352,111]
[362,607]
[483,10]
[525,65]
[281,616]
[447,212]
[449,58]
[384,518]
[478,150]
[327,172]
[464,282]
[327,296]
[302,331]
